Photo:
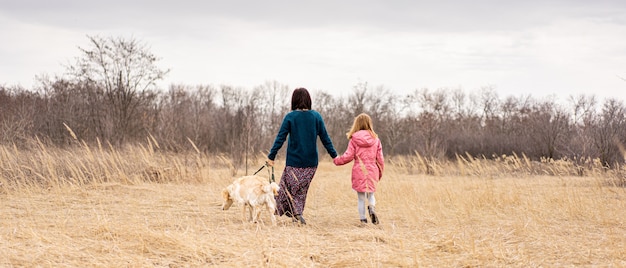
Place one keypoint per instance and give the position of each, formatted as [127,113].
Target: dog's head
[228,200]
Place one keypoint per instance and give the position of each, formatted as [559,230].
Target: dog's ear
[225,194]
[274,188]
[228,201]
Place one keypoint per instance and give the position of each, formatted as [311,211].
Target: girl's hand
[269,163]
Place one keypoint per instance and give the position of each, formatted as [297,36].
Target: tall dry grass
[139,207]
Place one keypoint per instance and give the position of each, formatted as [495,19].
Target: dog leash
[272,175]
[259,170]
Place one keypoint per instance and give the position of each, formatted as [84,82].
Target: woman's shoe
[363,220]
[300,219]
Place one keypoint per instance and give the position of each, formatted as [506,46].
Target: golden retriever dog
[252,193]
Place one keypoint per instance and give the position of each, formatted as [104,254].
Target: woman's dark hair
[300,99]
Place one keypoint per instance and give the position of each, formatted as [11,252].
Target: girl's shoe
[363,220]
[372,215]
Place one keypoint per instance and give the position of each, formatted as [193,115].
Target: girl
[367,152]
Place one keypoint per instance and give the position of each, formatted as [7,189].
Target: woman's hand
[269,163]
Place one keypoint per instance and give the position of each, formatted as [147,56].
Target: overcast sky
[539,48]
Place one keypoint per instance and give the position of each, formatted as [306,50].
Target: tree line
[110,95]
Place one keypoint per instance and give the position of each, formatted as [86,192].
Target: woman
[301,126]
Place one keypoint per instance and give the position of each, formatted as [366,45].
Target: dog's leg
[244,217]
[251,212]
[252,216]
[256,213]
[271,209]
[270,204]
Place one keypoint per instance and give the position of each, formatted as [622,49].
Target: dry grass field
[138,207]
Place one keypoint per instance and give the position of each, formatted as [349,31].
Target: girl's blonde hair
[362,122]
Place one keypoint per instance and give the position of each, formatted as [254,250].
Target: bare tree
[489,102]
[609,132]
[465,126]
[77,104]
[338,121]
[272,99]
[231,122]
[581,145]
[356,101]
[391,128]
[18,108]
[549,128]
[434,111]
[126,71]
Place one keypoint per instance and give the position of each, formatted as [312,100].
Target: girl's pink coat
[367,153]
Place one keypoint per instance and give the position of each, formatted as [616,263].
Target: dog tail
[271,188]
